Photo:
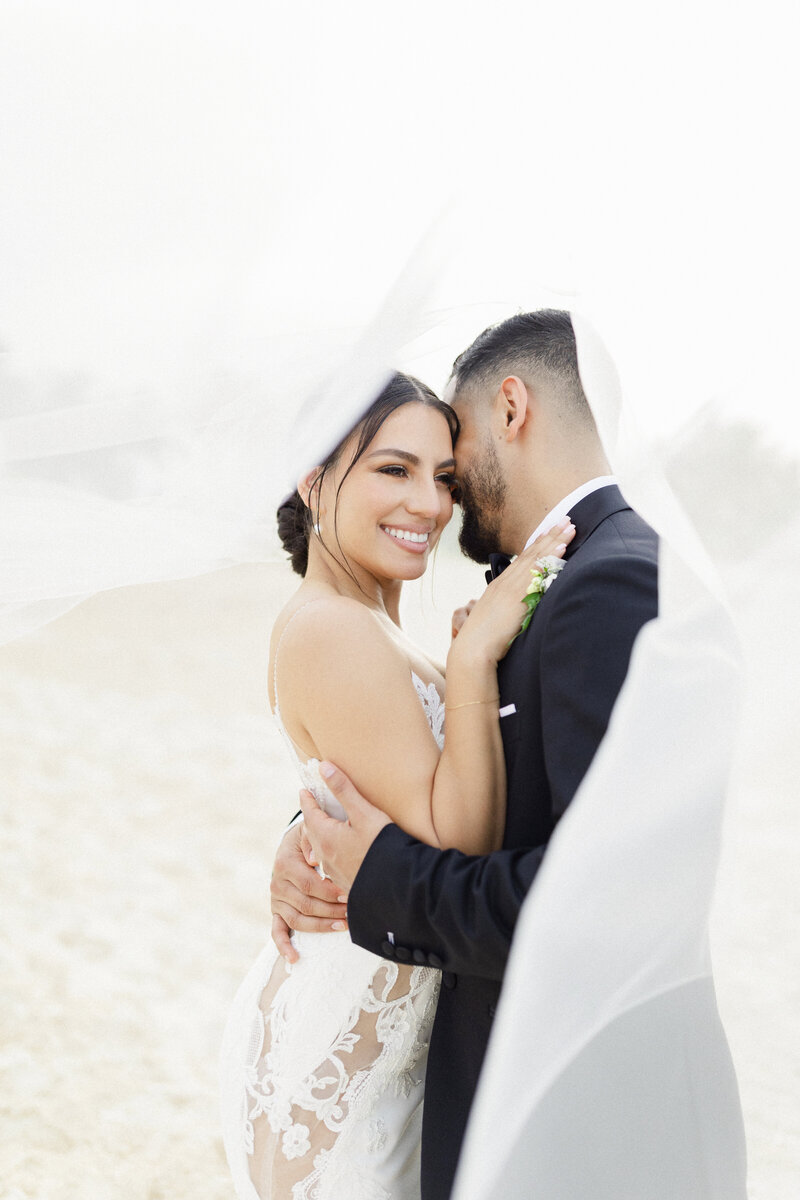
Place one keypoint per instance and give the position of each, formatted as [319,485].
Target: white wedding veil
[102,494]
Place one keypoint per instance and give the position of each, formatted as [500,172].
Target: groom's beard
[483,494]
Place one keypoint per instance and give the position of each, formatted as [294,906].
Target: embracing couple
[453,779]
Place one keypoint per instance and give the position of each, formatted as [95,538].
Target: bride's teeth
[405,535]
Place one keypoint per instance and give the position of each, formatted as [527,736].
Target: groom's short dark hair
[536,346]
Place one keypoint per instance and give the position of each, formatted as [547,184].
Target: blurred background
[205,204]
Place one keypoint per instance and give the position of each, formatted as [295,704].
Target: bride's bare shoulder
[315,614]
[322,630]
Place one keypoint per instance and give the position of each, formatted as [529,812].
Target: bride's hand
[493,621]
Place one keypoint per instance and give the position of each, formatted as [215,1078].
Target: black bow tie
[497,564]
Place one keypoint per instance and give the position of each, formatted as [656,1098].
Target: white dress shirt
[562,508]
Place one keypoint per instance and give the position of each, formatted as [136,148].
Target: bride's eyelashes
[447,479]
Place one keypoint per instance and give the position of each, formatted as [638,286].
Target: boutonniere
[542,576]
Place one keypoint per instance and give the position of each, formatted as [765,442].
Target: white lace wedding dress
[323,1062]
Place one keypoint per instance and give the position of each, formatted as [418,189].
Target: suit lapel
[586,516]
[590,512]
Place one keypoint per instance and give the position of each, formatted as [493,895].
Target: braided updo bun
[294,522]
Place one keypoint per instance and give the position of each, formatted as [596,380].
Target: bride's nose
[425,498]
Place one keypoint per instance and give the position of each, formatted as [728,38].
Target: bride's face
[397,498]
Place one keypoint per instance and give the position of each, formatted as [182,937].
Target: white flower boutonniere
[542,576]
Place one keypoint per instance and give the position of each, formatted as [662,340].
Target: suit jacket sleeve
[458,911]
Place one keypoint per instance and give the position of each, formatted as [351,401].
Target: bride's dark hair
[295,520]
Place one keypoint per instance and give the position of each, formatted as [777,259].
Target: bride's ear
[309,488]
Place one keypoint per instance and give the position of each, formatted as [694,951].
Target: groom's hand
[340,846]
[300,898]
[459,617]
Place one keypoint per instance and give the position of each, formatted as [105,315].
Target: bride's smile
[414,540]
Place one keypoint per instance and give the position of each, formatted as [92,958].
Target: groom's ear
[511,407]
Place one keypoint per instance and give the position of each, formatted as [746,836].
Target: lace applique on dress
[324,1062]
[434,707]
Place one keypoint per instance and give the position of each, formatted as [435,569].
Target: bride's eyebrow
[409,457]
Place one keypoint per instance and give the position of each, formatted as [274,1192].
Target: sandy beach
[144,789]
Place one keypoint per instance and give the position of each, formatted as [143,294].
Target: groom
[528,454]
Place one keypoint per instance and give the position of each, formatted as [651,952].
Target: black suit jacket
[457,912]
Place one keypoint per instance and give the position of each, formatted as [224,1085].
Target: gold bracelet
[468,703]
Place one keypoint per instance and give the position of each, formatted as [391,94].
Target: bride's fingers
[554,541]
[552,544]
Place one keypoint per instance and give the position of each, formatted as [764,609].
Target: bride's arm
[347,689]
[468,803]
[347,695]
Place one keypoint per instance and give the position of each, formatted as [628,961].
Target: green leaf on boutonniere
[542,576]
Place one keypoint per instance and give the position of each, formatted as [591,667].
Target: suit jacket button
[420,957]
[492,1009]
[449,980]
[402,954]
[435,961]
[387,948]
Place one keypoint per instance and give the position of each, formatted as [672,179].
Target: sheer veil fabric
[110,493]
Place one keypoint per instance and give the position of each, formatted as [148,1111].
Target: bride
[323,1059]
